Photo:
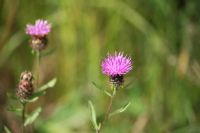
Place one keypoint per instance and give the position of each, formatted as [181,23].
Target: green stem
[37,68]
[107,111]
[23,116]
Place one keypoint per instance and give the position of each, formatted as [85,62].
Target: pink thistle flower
[40,29]
[116,66]
[38,33]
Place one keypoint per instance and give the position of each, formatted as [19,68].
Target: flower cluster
[116,66]
[39,33]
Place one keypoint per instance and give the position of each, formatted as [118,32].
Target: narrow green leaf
[49,84]
[107,93]
[42,91]
[97,86]
[31,118]
[101,89]
[93,113]
[120,110]
[13,109]
[35,96]
[32,99]
[6,129]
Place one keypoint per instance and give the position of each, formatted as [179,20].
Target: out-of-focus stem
[23,116]
[37,69]
[107,111]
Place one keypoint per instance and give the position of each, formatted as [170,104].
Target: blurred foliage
[162,37]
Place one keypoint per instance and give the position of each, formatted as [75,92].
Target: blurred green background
[161,36]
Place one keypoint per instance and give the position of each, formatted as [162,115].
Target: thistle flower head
[116,64]
[38,33]
[41,28]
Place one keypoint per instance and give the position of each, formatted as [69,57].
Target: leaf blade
[42,90]
[6,129]
[49,84]
[101,89]
[93,113]
[120,110]
[33,116]
[13,109]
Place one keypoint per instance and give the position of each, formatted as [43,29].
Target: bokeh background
[161,36]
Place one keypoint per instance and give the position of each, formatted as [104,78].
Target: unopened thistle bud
[38,33]
[25,87]
[117,80]
[116,66]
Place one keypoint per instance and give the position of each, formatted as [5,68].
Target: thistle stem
[37,69]
[23,116]
[108,110]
